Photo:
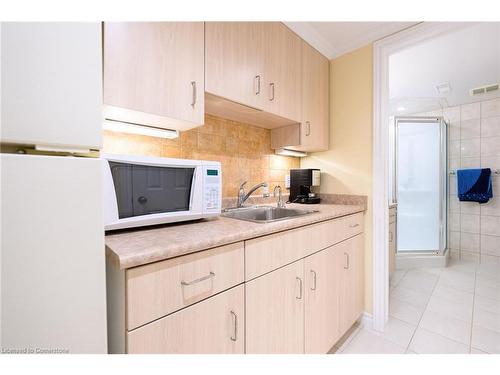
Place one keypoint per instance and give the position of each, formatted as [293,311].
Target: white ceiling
[467,58]
[333,39]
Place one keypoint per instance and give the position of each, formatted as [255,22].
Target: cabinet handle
[313,273]
[209,276]
[193,101]
[300,287]
[271,87]
[391,236]
[346,267]
[308,128]
[256,85]
[354,225]
[234,336]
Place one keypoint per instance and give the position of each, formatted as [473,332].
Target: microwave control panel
[212,188]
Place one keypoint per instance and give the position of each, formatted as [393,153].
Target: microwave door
[142,189]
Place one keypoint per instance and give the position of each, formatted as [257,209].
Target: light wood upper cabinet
[322,300]
[283,71]
[313,132]
[234,65]
[351,281]
[255,64]
[315,125]
[275,311]
[213,326]
[157,70]
[315,100]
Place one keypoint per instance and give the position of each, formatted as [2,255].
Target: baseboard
[366,320]
[408,261]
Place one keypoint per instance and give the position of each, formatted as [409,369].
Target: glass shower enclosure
[420,184]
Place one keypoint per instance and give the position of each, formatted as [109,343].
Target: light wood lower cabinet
[306,306]
[215,326]
[322,302]
[351,281]
[275,311]
[296,291]
[158,289]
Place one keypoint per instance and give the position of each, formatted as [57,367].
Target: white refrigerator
[53,288]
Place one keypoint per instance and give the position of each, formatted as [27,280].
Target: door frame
[382,50]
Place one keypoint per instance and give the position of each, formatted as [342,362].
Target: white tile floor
[448,310]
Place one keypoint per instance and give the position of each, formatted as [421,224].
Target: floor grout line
[473,308]
[425,309]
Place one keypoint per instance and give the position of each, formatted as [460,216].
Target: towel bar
[495,171]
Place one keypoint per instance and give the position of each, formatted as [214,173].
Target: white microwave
[141,191]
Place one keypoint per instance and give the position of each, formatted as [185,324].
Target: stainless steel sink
[265,214]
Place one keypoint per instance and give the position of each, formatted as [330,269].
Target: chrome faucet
[280,202]
[242,197]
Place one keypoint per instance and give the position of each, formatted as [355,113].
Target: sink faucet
[280,202]
[242,197]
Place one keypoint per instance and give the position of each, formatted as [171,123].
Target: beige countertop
[140,246]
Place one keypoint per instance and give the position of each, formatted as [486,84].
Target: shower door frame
[443,178]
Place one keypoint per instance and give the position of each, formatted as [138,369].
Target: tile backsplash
[474,142]
[243,150]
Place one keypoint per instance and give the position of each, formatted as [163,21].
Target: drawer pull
[300,288]
[209,276]
[313,273]
[354,225]
[346,267]
[234,337]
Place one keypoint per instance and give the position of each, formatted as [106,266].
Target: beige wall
[243,150]
[347,167]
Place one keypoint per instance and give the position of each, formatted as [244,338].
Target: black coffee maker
[301,182]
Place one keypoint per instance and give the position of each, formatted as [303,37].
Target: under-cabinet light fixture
[288,152]
[125,127]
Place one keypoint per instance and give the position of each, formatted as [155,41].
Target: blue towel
[474,185]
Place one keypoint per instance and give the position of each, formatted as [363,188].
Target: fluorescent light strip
[287,152]
[124,127]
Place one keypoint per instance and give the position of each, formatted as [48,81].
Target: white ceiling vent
[443,88]
[484,89]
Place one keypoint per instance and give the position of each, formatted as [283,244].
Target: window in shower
[420,184]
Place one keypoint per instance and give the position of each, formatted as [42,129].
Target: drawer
[160,288]
[268,253]
[213,326]
[353,225]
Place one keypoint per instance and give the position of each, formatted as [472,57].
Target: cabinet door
[51,84]
[213,326]
[283,71]
[315,100]
[275,311]
[352,281]
[156,68]
[358,268]
[322,300]
[234,65]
